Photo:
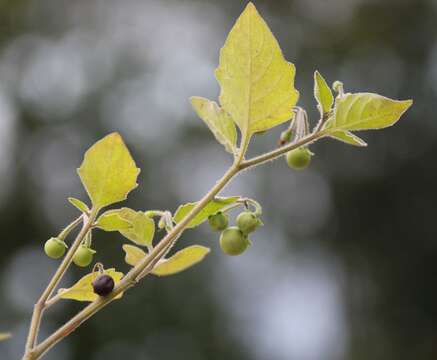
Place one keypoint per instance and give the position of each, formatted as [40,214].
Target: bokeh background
[345,265]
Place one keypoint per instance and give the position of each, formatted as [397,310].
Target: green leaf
[210,209]
[218,121]
[143,227]
[83,289]
[108,171]
[112,221]
[366,111]
[4,336]
[181,260]
[79,204]
[178,262]
[133,254]
[348,138]
[257,84]
[323,94]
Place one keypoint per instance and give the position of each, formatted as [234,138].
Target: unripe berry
[233,241]
[54,248]
[285,137]
[218,222]
[247,222]
[83,256]
[299,158]
[337,86]
[103,285]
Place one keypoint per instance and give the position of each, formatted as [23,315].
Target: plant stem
[69,228]
[137,272]
[131,278]
[274,154]
[41,304]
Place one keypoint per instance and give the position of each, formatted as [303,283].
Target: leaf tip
[405,105]
[115,135]
[195,100]
[408,103]
[251,6]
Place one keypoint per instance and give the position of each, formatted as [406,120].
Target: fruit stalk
[41,304]
[137,272]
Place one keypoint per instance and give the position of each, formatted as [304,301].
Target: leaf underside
[112,221]
[257,83]
[180,261]
[323,94]
[83,289]
[210,209]
[366,111]
[348,138]
[143,227]
[79,204]
[218,121]
[108,171]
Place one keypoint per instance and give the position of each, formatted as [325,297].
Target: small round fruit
[83,256]
[247,222]
[299,159]
[233,241]
[54,248]
[285,137]
[103,285]
[218,222]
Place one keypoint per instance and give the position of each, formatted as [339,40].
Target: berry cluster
[55,248]
[234,239]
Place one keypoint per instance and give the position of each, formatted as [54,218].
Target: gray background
[344,267]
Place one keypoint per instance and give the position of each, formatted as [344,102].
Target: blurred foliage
[369,212]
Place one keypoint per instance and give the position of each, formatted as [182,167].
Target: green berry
[247,222]
[233,241]
[218,222]
[83,256]
[299,158]
[285,137]
[54,248]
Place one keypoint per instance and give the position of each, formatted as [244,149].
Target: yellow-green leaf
[210,209]
[83,289]
[323,94]
[143,227]
[348,138]
[111,220]
[366,111]
[257,83]
[79,204]
[4,336]
[108,171]
[133,254]
[218,121]
[181,260]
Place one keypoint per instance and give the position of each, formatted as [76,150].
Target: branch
[274,154]
[146,265]
[41,305]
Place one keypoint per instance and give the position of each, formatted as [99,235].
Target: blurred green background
[345,265]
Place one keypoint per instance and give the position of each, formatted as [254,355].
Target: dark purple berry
[103,285]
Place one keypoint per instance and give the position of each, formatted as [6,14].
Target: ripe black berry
[103,285]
